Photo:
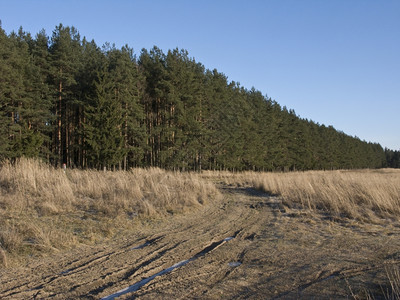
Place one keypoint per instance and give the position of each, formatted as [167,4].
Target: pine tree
[154,102]
[20,106]
[183,111]
[128,90]
[256,133]
[92,61]
[37,114]
[103,126]
[65,50]
[5,101]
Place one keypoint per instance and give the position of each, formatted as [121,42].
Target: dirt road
[245,246]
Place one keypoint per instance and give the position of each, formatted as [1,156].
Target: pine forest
[65,100]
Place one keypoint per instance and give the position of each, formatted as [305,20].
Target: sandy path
[273,254]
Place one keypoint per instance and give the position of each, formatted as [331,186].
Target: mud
[247,245]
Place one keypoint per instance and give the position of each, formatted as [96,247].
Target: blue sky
[335,62]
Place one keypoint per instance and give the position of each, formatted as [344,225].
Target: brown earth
[247,245]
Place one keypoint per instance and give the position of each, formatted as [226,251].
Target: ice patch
[140,246]
[138,285]
[141,283]
[234,264]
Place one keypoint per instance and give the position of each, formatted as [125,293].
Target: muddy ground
[245,246]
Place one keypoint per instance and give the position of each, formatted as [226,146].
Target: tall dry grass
[363,194]
[393,275]
[43,208]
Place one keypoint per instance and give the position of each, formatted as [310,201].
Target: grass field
[43,209]
[346,222]
[358,196]
[363,195]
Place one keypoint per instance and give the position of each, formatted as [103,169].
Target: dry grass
[393,291]
[3,258]
[43,209]
[365,195]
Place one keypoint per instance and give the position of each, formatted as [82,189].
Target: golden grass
[393,291]
[368,196]
[43,209]
[365,195]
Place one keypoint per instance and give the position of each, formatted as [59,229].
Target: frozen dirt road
[244,246]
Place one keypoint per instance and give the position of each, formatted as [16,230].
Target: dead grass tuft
[33,182]
[393,275]
[10,238]
[3,258]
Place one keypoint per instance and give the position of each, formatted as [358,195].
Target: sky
[335,62]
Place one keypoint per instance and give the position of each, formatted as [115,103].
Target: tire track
[272,253]
[138,285]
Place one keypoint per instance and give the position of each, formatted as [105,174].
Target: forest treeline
[66,100]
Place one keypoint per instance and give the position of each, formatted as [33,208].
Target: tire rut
[272,251]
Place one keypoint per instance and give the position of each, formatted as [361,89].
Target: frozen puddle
[140,246]
[141,283]
[234,264]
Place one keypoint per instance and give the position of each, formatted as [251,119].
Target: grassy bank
[43,209]
[364,195]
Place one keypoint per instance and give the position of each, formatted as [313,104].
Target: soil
[247,245]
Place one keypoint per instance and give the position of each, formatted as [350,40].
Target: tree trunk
[59,146]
